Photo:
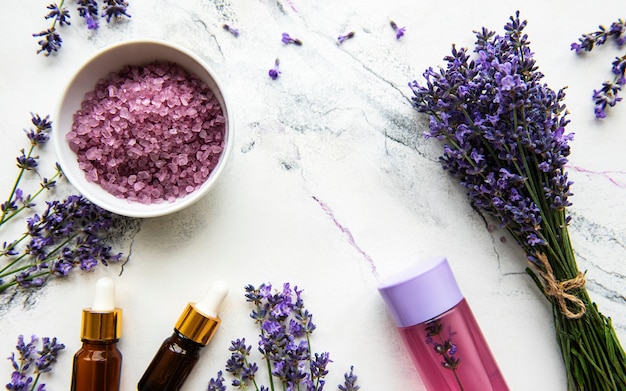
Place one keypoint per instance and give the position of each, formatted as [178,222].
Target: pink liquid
[450,353]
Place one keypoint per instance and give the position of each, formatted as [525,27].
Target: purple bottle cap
[421,292]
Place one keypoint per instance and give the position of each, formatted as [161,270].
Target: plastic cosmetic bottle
[439,329]
[180,352]
[98,364]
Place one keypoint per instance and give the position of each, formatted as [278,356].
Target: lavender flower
[67,235]
[87,7]
[217,383]
[40,134]
[443,347]
[115,9]
[399,30]
[28,364]
[285,344]
[587,42]
[60,14]
[503,136]
[88,10]
[288,39]
[274,72]
[27,161]
[350,382]
[608,95]
[344,37]
[51,41]
[231,30]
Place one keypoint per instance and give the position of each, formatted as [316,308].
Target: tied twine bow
[559,289]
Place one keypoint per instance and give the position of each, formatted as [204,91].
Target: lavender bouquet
[503,135]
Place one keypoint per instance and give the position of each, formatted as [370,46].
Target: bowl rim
[123,206]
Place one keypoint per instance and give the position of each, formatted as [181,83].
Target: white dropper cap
[104,298]
[103,321]
[212,300]
[199,321]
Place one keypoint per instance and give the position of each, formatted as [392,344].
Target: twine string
[559,290]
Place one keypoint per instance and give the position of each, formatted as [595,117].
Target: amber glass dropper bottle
[98,364]
[181,351]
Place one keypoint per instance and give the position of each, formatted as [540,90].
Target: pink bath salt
[149,134]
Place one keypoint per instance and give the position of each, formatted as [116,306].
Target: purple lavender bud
[288,39]
[484,141]
[217,384]
[274,72]
[115,9]
[60,15]
[399,30]
[350,381]
[231,30]
[344,37]
[50,43]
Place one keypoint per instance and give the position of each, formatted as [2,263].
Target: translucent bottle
[180,352]
[439,329]
[98,364]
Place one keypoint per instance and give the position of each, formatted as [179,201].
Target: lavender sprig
[16,202]
[115,9]
[446,348]
[51,41]
[285,327]
[88,10]
[608,95]
[587,42]
[503,135]
[349,383]
[32,362]
[69,234]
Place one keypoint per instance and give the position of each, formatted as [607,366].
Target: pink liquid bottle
[439,329]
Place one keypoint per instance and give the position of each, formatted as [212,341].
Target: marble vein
[348,234]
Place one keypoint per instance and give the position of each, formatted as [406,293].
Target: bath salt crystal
[149,134]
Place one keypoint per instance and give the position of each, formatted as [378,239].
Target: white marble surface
[331,184]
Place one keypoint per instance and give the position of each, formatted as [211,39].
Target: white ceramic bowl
[112,59]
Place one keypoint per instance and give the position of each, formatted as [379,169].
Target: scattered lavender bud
[344,37]
[399,30]
[231,30]
[274,72]
[288,39]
